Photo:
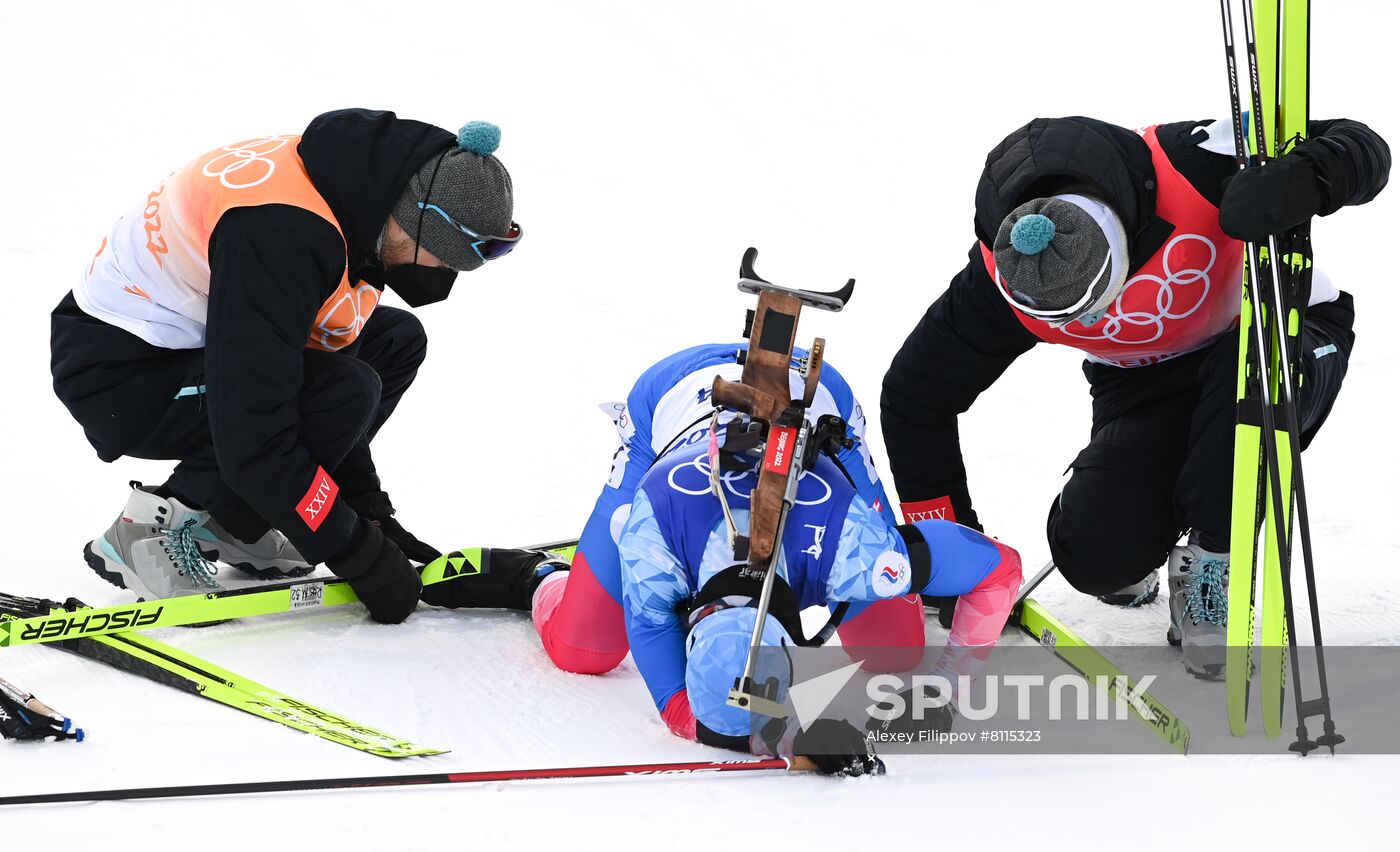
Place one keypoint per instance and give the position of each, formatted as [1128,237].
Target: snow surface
[649,143]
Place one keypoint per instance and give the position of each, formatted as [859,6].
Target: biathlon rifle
[763,396]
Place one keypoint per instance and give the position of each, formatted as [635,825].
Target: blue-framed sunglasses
[486,246]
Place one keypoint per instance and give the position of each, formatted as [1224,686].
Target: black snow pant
[123,391]
[1160,458]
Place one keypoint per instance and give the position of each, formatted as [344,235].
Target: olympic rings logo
[344,317]
[734,478]
[248,158]
[1134,328]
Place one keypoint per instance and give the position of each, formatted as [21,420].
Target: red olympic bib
[1185,296]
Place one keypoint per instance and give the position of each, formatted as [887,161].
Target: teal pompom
[479,137]
[1031,234]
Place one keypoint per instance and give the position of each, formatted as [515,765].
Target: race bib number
[307,594]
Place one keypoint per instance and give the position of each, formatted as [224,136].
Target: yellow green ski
[168,665]
[1052,634]
[1268,476]
[67,621]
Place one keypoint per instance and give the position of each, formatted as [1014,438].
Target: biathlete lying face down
[690,617]
[586,615]
[578,607]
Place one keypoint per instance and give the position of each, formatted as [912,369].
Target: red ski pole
[769,764]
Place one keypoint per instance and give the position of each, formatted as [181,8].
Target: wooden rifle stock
[764,392]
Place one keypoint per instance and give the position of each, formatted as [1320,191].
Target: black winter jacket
[271,269]
[970,335]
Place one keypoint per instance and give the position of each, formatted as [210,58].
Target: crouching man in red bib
[1126,245]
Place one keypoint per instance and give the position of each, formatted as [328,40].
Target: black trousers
[122,390]
[1161,454]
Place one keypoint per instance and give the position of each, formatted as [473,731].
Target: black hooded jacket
[970,335]
[272,268]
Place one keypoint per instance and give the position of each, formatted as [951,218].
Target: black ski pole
[1268,432]
[1283,506]
[784,764]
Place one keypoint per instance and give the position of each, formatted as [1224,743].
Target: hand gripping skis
[111,635]
[1271,321]
[770,418]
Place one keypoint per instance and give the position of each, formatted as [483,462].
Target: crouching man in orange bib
[230,320]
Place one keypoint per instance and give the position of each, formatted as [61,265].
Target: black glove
[935,720]
[24,717]
[507,579]
[375,507]
[838,748]
[1264,201]
[382,577]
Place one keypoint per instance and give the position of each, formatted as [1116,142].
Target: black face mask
[420,285]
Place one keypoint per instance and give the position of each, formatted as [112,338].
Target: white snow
[649,144]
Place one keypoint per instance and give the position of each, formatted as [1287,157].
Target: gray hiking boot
[150,549]
[1142,592]
[271,557]
[1198,580]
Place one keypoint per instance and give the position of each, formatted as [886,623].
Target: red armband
[939,508]
[316,503]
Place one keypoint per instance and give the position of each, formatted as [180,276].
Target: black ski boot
[507,580]
[1137,594]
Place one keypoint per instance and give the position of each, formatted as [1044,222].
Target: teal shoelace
[180,547]
[1205,601]
[1143,596]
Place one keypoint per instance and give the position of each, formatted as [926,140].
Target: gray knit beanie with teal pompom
[471,186]
[1047,251]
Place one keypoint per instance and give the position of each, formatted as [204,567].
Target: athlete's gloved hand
[382,577]
[24,717]
[836,747]
[920,720]
[1264,201]
[375,507]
